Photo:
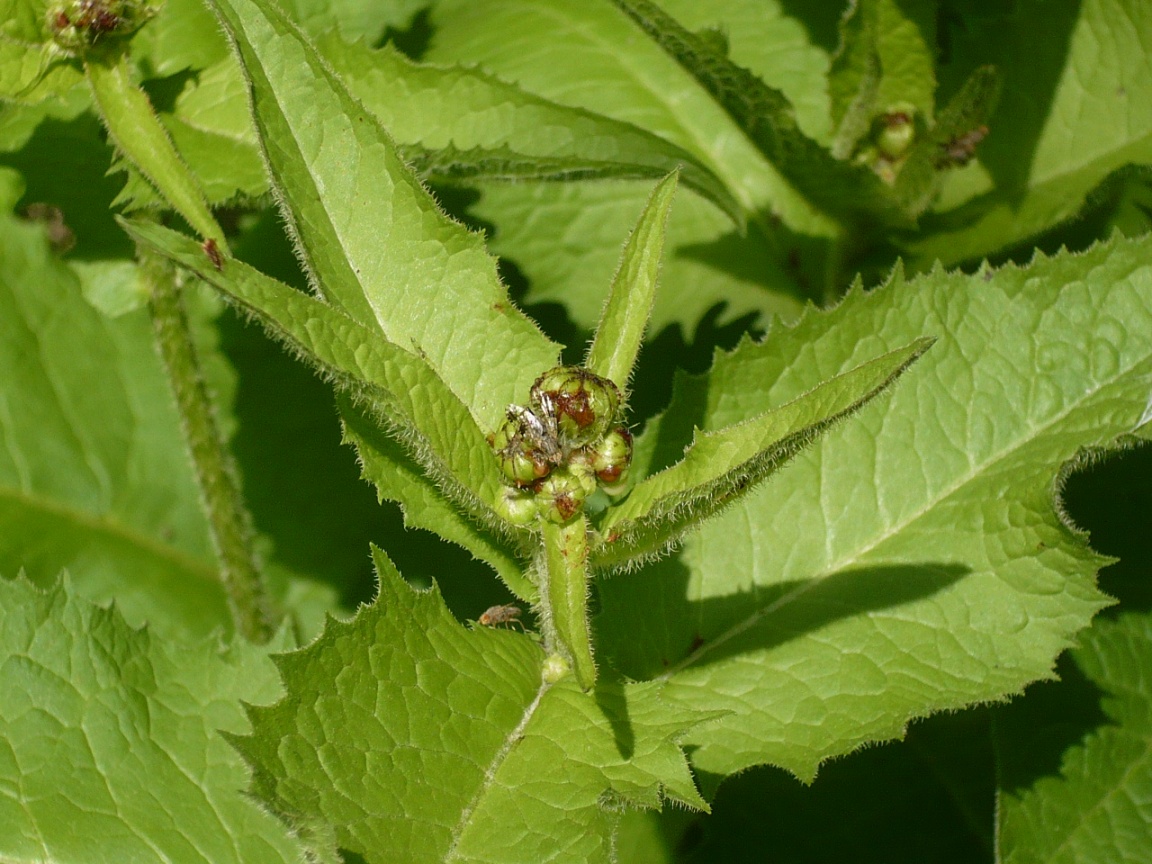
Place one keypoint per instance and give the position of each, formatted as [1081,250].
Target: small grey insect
[540,432]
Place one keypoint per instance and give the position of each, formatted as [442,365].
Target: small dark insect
[60,236]
[960,150]
[495,615]
[213,252]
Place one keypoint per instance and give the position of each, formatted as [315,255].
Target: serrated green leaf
[721,466]
[1096,804]
[93,471]
[778,42]
[416,739]
[547,45]
[401,388]
[111,744]
[844,190]
[1070,113]
[371,236]
[398,477]
[456,123]
[565,238]
[620,333]
[912,561]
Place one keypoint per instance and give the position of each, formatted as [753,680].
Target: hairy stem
[228,520]
[565,596]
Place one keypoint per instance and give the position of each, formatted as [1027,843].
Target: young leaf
[843,190]
[1098,806]
[398,477]
[111,739]
[138,133]
[612,354]
[912,561]
[456,123]
[124,520]
[372,238]
[721,466]
[418,740]
[401,388]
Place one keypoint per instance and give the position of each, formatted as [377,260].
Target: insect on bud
[523,448]
[560,496]
[611,456]
[583,405]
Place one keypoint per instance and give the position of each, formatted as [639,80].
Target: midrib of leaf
[510,741]
[897,527]
[737,186]
[103,525]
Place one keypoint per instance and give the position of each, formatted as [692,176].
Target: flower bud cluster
[561,447]
[82,24]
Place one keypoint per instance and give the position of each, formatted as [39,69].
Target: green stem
[565,597]
[142,138]
[228,520]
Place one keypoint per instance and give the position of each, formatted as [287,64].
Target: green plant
[847,522]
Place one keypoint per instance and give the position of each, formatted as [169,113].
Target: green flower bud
[582,405]
[611,456]
[897,131]
[517,506]
[524,447]
[83,24]
[560,495]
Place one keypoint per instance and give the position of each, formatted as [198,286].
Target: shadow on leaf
[650,625]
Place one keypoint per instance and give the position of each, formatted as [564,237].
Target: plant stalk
[229,522]
[565,597]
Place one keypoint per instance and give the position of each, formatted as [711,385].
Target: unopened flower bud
[517,506]
[611,456]
[583,405]
[897,131]
[83,24]
[560,495]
